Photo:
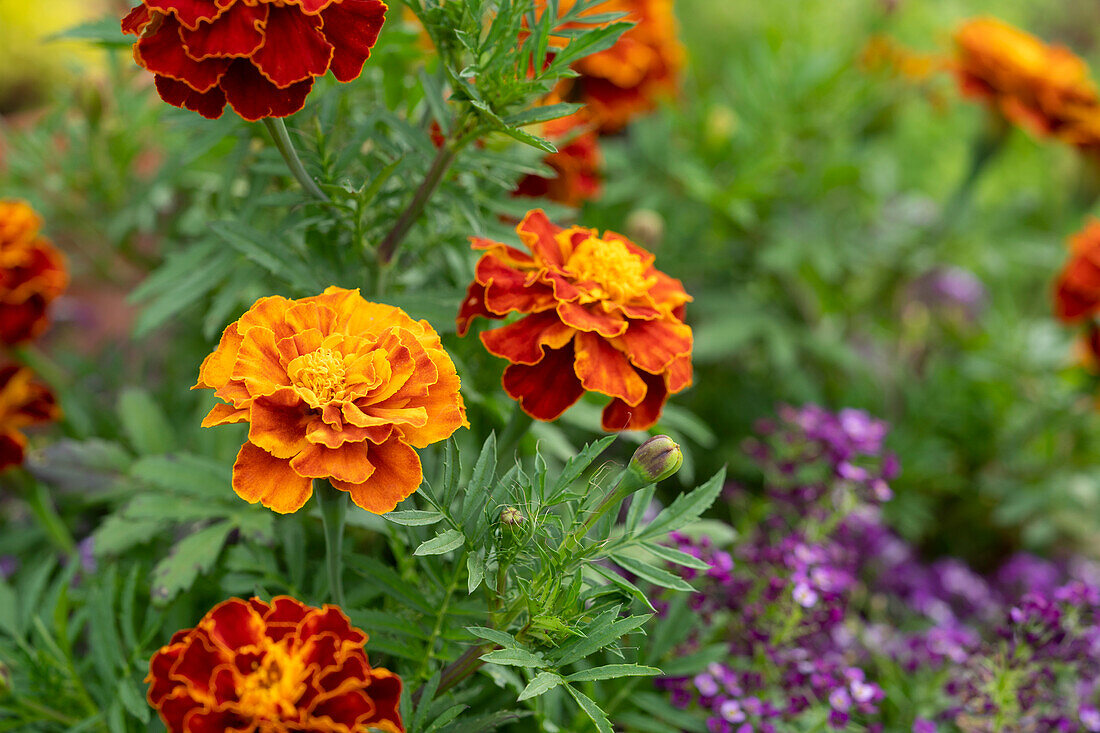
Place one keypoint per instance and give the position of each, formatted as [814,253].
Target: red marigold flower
[260,56]
[32,273]
[1077,291]
[576,163]
[335,388]
[279,666]
[621,82]
[598,317]
[1046,89]
[23,402]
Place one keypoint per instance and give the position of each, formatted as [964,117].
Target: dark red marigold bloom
[1077,291]
[598,318]
[32,274]
[577,163]
[260,56]
[283,666]
[23,402]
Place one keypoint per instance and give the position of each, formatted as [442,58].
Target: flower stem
[334,509]
[442,162]
[277,128]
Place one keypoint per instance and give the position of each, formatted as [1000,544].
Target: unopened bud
[646,227]
[512,517]
[657,459]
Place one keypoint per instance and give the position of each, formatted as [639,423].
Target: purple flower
[9,564]
[923,725]
[1090,718]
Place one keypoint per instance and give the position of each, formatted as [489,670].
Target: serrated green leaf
[677,557]
[118,533]
[514,658]
[579,463]
[652,573]
[186,474]
[414,518]
[591,709]
[687,508]
[446,717]
[443,542]
[543,682]
[621,582]
[601,634]
[497,637]
[611,672]
[133,699]
[384,577]
[192,556]
[475,570]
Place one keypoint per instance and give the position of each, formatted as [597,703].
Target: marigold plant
[1077,290]
[23,401]
[598,317]
[1045,89]
[259,56]
[32,273]
[272,667]
[333,387]
[576,163]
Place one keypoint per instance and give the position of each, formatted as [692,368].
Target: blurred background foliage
[804,196]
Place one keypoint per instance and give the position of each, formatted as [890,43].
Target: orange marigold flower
[255,666]
[599,318]
[260,56]
[334,388]
[576,163]
[23,402]
[32,273]
[621,82]
[1077,290]
[1046,89]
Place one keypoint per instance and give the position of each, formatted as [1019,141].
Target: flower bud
[657,459]
[512,517]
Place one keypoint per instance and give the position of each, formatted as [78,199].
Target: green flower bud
[512,517]
[657,459]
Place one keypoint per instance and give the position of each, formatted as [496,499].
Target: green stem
[277,128]
[443,159]
[438,630]
[627,483]
[38,499]
[334,509]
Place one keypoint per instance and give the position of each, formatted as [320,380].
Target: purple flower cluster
[820,592]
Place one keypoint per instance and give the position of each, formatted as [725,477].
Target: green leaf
[591,709]
[653,574]
[611,672]
[601,634]
[118,533]
[193,555]
[514,658]
[414,518]
[497,637]
[446,717]
[132,699]
[443,542]
[677,557]
[578,464]
[543,682]
[384,577]
[621,582]
[686,508]
[186,474]
[144,422]
[475,569]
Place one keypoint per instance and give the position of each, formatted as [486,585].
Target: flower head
[576,164]
[1077,292]
[598,317]
[621,82]
[1046,89]
[32,273]
[259,56]
[334,388]
[23,402]
[271,667]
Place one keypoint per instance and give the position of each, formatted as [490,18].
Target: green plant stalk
[443,159]
[334,510]
[277,128]
[626,484]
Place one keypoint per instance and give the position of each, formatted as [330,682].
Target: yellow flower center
[273,688]
[319,376]
[611,271]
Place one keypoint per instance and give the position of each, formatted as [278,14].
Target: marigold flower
[23,402]
[255,666]
[621,82]
[334,388]
[598,317]
[576,163]
[1046,89]
[260,56]
[32,273]
[1077,291]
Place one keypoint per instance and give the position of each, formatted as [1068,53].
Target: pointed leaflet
[543,682]
[685,509]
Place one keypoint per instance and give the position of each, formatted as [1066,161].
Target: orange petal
[303,316]
[298,344]
[223,414]
[348,463]
[259,364]
[620,416]
[278,424]
[472,307]
[547,389]
[603,368]
[260,476]
[332,436]
[679,375]
[521,342]
[444,404]
[397,475]
[540,235]
[217,367]
[653,345]
[591,318]
[507,288]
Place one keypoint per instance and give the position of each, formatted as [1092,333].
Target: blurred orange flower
[577,163]
[621,82]
[259,56]
[32,273]
[1046,89]
[1077,290]
[336,388]
[23,402]
[254,666]
[599,318]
